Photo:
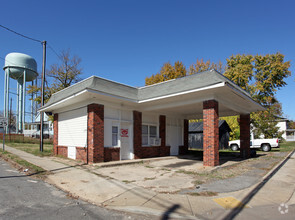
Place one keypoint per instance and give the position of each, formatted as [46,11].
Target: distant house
[288,134]
[196,134]
[32,129]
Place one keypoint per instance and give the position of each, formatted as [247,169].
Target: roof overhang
[189,104]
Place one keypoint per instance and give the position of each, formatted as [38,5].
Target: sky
[126,41]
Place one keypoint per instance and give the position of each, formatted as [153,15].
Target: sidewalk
[81,182]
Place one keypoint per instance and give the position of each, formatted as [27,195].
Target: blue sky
[126,41]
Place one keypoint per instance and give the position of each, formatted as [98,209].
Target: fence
[20,138]
[290,138]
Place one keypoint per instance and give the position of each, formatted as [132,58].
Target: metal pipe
[5,93]
[42,95]
[7,98]
[24,101]
[20,106]
[32,101]
[17,107]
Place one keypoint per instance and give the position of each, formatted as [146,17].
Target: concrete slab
[88,186]
[174,203]
[136,196]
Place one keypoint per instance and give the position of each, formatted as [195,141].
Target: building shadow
[248,198]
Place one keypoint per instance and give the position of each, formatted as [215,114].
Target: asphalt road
[22,197]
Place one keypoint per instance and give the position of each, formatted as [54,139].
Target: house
[99,120]
[288,134]
[195,138]
[32,129]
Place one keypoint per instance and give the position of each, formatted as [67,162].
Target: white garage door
[72,128]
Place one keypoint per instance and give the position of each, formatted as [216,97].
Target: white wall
[114,117]
[282,127]
[174,134]
[72,128]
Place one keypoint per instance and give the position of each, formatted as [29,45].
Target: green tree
[233,123]
[264,123]
[261,76]
[240,70]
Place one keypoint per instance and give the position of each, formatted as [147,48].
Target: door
[125,135]
[173,139]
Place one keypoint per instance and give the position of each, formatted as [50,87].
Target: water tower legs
[6,96]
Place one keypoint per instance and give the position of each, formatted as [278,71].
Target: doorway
[125,136]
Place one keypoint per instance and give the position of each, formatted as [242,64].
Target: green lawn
[33,148]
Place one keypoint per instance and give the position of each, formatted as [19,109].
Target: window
[148,131]
[114,136]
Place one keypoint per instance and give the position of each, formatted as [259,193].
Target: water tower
[22,68]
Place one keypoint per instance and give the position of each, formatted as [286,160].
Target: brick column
[245,135]
[185,135]
[55,133]
[137,134]
[210,133]
[162,134]
[95,133]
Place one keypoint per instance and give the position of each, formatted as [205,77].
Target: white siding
[72,128]
[283,127]
[113,117]
[174,134]
[150,119]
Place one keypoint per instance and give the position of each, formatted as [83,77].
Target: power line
[39,41]
[51,48]
[30,38]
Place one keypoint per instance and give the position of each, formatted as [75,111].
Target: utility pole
[42,95]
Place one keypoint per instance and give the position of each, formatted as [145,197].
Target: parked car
[263,144]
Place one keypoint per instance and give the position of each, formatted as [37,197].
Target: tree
[261,76]
[233,123]
[264,123]
[64,74]
[167,72]
[201,66]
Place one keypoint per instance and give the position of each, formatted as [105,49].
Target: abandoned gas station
[98,120]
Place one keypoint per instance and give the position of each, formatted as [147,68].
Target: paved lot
[87,183]
[25,198]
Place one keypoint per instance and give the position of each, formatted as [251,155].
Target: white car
[263,144]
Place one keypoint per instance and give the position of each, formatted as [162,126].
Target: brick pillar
[245,135]
[95,133]
[137,134]
[210,133]
[55,133]
[162,134]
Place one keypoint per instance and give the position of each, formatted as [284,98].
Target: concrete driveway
[165,175]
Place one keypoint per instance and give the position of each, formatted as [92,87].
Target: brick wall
[95,133]
[210,133]
[111,154]
[153,151]
[62,150]
[184,148]
[81,154]
[137,133]
[162,135]
[55,133]
[245,135]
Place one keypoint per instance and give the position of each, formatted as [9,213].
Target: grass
[205,193]
[33,148]
[147,178]
[33,169]
[128,181]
